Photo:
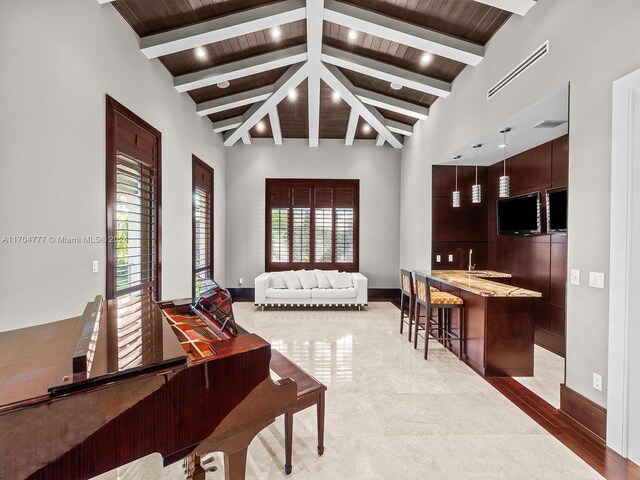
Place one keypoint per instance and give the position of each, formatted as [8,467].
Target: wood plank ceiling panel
[266,129]
[334,114]
[466,19]
[234,112]
[294,114]
[361,134]
[398,117]
[233,49]
[237,85]
[148,17]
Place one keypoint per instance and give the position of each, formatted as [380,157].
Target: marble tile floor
[547,376]
[390,414]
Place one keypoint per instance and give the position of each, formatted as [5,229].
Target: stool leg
[410,318]
[462,335]
[401,312]
[288,441]
[426,332]
[416,317]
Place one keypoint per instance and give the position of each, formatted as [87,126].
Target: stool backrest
[406,283]
[423,292]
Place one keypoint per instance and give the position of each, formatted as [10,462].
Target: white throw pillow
[308,279]
[340,280]
[277,280]
[323,281]
[292,280]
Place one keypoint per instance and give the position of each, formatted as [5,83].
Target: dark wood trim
[197,163]
[383,294]
[584,412]
[312,184]
[113,107]
[243,294]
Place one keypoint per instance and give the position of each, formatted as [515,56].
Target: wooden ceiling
[258,64]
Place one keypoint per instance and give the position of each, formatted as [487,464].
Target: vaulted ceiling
[354,69]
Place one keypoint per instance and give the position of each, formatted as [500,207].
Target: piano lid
[116,338]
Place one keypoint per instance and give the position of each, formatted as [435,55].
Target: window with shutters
[202,227]
[133,227]
[311,224]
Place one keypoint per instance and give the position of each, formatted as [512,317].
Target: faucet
[471,266]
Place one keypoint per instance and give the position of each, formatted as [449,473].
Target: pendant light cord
[504,163]
[456,178]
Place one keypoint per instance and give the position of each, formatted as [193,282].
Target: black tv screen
[519,215]
[557,210]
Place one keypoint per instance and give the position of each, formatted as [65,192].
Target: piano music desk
[310,393]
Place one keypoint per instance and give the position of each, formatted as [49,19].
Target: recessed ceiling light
[353,34]
[335,96]
[366,128]
[276,32]
[260,127]
[395,86]
[426,58]
[223,84]
[201,52]
[293,94]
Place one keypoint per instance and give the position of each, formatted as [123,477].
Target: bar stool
[406,291]
[439,329]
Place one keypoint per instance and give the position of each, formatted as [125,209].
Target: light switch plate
[597,381]
[95,266]
[451,258]
[438,258]
[575,276]
[596,279]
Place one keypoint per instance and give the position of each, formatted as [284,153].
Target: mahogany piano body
[82,396]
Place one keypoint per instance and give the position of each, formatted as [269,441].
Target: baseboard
[583,412]
[375,294]
[552,342]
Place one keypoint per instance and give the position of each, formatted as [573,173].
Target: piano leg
[193,468]
[235,465]
[320,419]
[288,441]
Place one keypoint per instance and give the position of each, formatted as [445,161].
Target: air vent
[523,66]
[549,124]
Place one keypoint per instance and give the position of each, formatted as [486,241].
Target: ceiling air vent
[528,62]
[549,124]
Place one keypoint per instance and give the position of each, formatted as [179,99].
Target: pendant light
[476,190]
[504,185]
[455,196]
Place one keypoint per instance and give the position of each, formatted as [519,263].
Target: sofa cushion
[349,292]
[308,279]
[323,281]
[285,293]
[340,280]
[292,280]
[276,280]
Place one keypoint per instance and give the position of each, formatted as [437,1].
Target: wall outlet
[438,258]
[597,382]
[95,266]
[575,276]
[240,281]
[596,279]
[451,258]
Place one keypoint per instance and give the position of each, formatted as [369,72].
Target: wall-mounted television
[557,210]
[519,215]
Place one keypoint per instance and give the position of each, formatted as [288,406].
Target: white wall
[59,59]
[591,46]
[378,169]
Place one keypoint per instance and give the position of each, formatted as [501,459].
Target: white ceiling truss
[315,62]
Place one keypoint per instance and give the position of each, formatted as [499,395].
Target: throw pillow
[340,280]
[321,275]
[277,280]
[308,279]
[292,280]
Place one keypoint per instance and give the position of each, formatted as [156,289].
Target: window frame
[353,184]
[113,109]
[197,163]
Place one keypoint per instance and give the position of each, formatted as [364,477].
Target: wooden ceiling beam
[227,124]
[290,80]
[246,138]
[379,140]
[241,68]
[341,84]
[236,100]
[351,127]
[223,28]
[392,104]
[520,7]
[276,130]
[395,30]
[384,71]
[399,127]
[315,9]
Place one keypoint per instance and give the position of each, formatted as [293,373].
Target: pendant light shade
[476,189]
[504,184]
[455,196]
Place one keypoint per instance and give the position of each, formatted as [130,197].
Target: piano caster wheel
[320,450]
[287,469]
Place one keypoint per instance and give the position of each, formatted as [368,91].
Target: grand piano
[131,377]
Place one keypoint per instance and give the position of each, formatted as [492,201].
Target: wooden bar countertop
[479,283]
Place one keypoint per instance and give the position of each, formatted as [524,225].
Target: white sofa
[267,295]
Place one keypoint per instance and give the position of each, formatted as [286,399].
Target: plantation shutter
[202,227]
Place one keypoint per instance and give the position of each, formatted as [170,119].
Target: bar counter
[480,283]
